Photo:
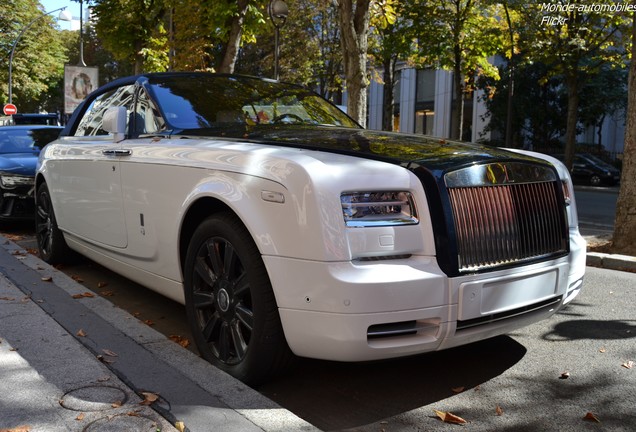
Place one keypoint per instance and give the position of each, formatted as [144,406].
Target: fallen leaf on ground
[77,278]
[101,284]
[17,429]
[81,333]
[132,413]
[602,350]
[103,359]
[565,375]
[458,389]
[82,295]
[103,379]
[116,404]
[149,398]
[180,340]
[180,426]
[591,417]
[107,293]
[149,322]
[499,410]
[80,417]
[109,352]
[628,364]
[7,298]
[47,278]
[448,417]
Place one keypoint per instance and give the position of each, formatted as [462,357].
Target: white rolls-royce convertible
[288,230]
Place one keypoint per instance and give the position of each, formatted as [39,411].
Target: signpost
[10,109]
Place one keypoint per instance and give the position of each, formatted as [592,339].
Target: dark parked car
[33,119]
[591,170]
[19,150]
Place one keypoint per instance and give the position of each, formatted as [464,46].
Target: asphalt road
[596,207]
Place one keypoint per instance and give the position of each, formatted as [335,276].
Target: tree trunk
[387,102]
[231,49]
[572,84]
[354,25]
[458,84]
[138,66]
[624,241]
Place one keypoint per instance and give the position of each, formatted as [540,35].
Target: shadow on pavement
[335,396]
[592,329]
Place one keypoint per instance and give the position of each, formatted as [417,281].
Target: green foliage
[133,31]
[574,39]
[39,55]
[454,34]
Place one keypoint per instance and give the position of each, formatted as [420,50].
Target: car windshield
[597,161]
[18,140]
[211,102]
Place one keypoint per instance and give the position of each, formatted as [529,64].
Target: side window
[147,119]
[91,122]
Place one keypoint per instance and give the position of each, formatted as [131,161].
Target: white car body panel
[340,290]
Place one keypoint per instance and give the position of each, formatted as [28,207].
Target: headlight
[567,193]
[13,181]
[363,209]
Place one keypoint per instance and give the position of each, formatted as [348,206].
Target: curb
[611,262]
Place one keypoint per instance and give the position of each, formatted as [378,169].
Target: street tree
[303,53]
[624,241]
[574,39]
[39,55]
[538,120]
[211,38]
[354,17]
[460,36]
[390,44]
[354,29]
[134,31]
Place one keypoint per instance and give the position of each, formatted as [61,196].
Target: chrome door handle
[118,152]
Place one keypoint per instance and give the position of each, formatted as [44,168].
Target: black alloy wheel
[230,304]
[51,244]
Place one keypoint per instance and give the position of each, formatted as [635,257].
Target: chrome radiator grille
[500,224]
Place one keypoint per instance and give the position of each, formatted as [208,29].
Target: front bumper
[17,203]
[368,311]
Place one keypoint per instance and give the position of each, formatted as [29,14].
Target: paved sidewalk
[71,361]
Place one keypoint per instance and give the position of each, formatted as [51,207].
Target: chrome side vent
[504,223]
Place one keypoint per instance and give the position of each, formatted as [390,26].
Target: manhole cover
[123,422]
[94,398]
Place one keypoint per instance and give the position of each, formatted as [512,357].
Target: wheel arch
[198,211]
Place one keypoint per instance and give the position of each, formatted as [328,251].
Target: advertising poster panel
[79,81]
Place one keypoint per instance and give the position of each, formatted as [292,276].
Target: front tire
[51,244]
[230,303]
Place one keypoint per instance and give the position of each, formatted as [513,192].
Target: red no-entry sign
[10,109]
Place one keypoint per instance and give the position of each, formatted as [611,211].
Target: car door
[87,178]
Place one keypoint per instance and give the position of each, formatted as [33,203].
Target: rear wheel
[230,303]
[51,244]
[595,180]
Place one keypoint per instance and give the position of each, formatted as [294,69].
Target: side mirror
[114,122]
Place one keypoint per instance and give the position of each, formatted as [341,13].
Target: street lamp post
[278,12]
[64,16]
[81,35]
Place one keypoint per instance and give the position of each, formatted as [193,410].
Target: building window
[425,102]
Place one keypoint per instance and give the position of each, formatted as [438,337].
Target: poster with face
[79,81]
